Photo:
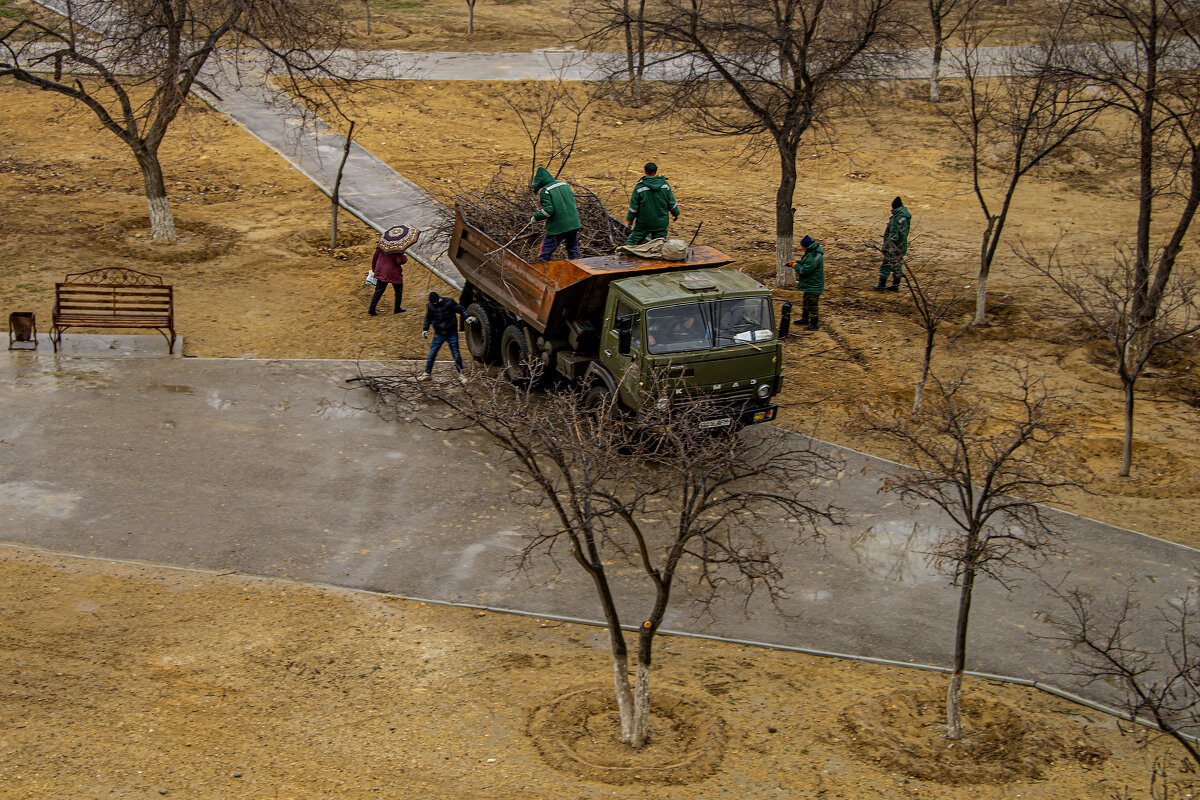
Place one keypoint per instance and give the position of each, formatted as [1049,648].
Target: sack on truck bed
[665,249]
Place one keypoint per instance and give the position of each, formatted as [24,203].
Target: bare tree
[1108,299]
[337,186]
[551,113]
[766,68]
[1017,121]
[1142,59]
[634,507]
[367,9]
[1160,682]
[987,469]
[936,298]
[133,64]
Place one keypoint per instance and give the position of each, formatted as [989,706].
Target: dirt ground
[134,682]
[254,277]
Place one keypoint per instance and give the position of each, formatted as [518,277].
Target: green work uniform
[810,279]
[651,208]
[895,245]
[558,203]
[810,270]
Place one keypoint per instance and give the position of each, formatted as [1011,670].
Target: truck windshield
[703,326]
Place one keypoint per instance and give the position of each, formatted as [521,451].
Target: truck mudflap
[747,412]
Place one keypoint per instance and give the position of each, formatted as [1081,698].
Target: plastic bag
[371,279]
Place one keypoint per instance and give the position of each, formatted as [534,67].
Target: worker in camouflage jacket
[651,207]
[895,245]
[559,211]
[810,279]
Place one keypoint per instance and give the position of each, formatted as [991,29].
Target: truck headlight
[764,390]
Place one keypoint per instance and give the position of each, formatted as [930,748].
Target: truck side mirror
[785,319]
[624,328]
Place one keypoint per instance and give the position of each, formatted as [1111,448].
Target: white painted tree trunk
[624,697]
[162,224]
[785,251]
[954,708]
[981,299]
[641,708]
[934,93]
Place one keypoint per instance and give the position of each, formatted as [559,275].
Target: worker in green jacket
[810,279]
[651,207]
[559,211]
[895,245]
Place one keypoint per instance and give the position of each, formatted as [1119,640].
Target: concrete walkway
[276,468]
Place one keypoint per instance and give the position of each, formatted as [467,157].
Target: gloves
[533,220]
[425,334]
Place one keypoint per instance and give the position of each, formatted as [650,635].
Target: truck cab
[681,337]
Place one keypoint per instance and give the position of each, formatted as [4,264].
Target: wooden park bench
[113,297]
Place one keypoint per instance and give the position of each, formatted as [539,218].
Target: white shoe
[462,378]
[424,376]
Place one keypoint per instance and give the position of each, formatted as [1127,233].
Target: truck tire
[596,398]
[515,355]
[482,333]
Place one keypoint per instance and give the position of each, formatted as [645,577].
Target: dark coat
[389,267]
[443,316]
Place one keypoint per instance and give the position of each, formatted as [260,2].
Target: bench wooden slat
[110,319]
[66,308]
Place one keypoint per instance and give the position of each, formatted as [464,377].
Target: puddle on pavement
[54,377]
[330,409]
[898,551]
[171,387]
[37,499]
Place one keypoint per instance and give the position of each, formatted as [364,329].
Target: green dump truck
[647,331]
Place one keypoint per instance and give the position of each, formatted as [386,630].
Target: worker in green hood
[895,245]
[559,211]
[651,207]
[810,279]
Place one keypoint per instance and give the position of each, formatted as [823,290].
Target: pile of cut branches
[503,207]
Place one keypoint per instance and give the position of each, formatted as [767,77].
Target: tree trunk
[981,297]
[1127,450]
[470,16]
[162,224]
[934,93]
[337,187]
[640,73]
[367,6]
[954,707]
[924,370]
[985,266]
[785,239]
[628,25]
[954,694]
[641,708]
[936,14]
[625,701]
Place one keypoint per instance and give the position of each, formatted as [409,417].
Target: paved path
[276,468]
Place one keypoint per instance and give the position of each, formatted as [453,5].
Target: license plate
[723,422]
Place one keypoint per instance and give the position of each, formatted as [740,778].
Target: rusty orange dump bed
[543,294]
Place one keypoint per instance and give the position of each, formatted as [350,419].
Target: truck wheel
[597,398]
[515,354]
[482,333]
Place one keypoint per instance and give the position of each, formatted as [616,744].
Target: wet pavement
[281,469]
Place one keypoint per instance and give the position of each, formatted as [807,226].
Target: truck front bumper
[747,412]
